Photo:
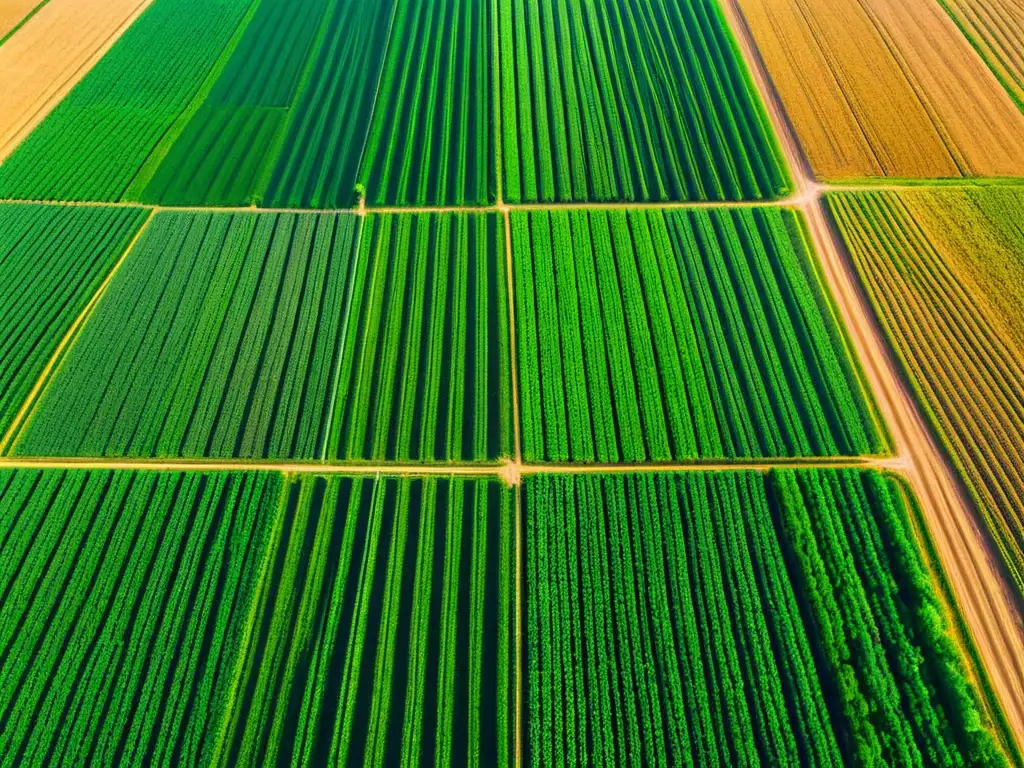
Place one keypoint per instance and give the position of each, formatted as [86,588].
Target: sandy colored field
[944,269]
[996,29]
[886,88]
[970,562]
[45,58]
[12,12]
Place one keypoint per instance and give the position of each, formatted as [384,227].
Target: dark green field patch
[218,336]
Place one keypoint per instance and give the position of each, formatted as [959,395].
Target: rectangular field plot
[425,366]
[52,261]
[652,335]
[238,619]
[218,336]
[95,141]
[286,115]
[877,88]
[431,139]
[737,619]
[944,270]
[124,604]
[629,100]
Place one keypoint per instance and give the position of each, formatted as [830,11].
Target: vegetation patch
[52,261]
[737,618]
[218,337]
[653,335]
[944,270]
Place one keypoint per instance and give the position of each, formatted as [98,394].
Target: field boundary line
[894,464]
[64,346]
[965,551]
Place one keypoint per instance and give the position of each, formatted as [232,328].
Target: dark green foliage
[52,261]
[218,336]
[629,100]
[424,371]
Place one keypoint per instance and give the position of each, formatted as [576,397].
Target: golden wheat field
[48,55]
[996,30]
[886,88]
[12,12]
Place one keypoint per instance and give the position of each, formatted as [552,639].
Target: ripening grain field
[944,269]
[252,619]
[658,335]
[996,30]
[881,88]
[737,619]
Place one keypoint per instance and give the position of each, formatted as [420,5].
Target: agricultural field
[251,619]
[734,619]
[52,261]
[995,29]
[644,101]
[49,53]
[658,335]
[92,145]
[944,270]
[434,144]
[424,371]
[14,14]
[886,89]
[218,336]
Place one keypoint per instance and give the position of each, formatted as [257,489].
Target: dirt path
[969,560]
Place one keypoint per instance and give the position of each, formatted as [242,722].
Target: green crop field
[654,335]
[227,328]
[434,145]
[96,140]
[737,619]
[52,260]
[424,369]
[644,101]
[232,618]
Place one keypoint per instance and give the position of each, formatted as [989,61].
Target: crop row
[218,336]
[944,274]
[737,619]
[424,370]
[629,100]
[247,619]
[52,260]
[652,336]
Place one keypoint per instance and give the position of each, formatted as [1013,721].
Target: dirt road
[970,561]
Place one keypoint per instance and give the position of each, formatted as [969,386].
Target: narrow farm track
[510,471]
[966,554]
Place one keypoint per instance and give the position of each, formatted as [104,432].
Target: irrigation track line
[809,190]
[14,432]
[895,464]
[965,551]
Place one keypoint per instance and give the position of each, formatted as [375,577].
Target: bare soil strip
[967,556]
[511,471]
